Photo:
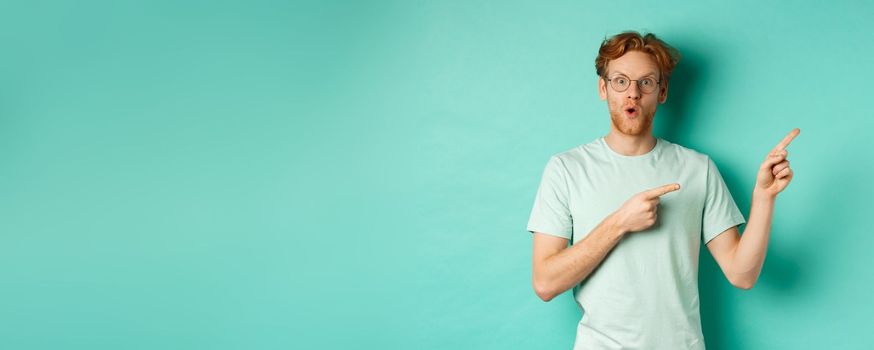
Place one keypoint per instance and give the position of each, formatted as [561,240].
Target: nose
[634,90]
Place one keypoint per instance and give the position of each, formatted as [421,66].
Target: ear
[602,88]
[663,93]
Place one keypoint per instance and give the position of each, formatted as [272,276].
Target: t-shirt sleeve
[720,210]
[551,213]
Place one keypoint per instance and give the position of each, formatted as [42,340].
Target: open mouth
[631,111]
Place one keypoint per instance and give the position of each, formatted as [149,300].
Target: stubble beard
[632,127]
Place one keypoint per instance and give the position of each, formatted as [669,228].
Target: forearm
[749,255]
[571,266]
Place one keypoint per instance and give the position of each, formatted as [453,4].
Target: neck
[630,145]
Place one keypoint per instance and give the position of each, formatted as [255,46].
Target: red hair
[665,55]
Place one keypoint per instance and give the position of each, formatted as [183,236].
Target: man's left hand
[775,173]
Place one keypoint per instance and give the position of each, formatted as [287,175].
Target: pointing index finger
[786,140]
[662,190]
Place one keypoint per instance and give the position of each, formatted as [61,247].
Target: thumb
[774,158]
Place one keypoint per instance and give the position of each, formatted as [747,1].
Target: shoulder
[577,155]
[688,155]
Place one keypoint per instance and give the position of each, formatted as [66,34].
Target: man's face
[632,111]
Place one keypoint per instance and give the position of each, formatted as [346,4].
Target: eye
[621,80]
[647,82]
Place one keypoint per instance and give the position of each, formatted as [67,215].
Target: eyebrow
[621,73]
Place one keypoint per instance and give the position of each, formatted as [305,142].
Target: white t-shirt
[644,295]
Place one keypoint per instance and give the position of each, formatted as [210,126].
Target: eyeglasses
[646,85]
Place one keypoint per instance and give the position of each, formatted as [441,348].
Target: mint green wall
[275,175]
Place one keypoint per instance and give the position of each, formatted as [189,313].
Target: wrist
[615,226]
[762,196]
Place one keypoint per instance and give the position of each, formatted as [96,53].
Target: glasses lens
[647,85]
[619,83]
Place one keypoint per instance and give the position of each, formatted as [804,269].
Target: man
[637,209]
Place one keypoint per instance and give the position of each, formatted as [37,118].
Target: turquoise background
[274,175]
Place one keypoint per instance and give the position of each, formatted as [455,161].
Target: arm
[557,268]
[741,257]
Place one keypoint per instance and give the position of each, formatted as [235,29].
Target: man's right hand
[639,212]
